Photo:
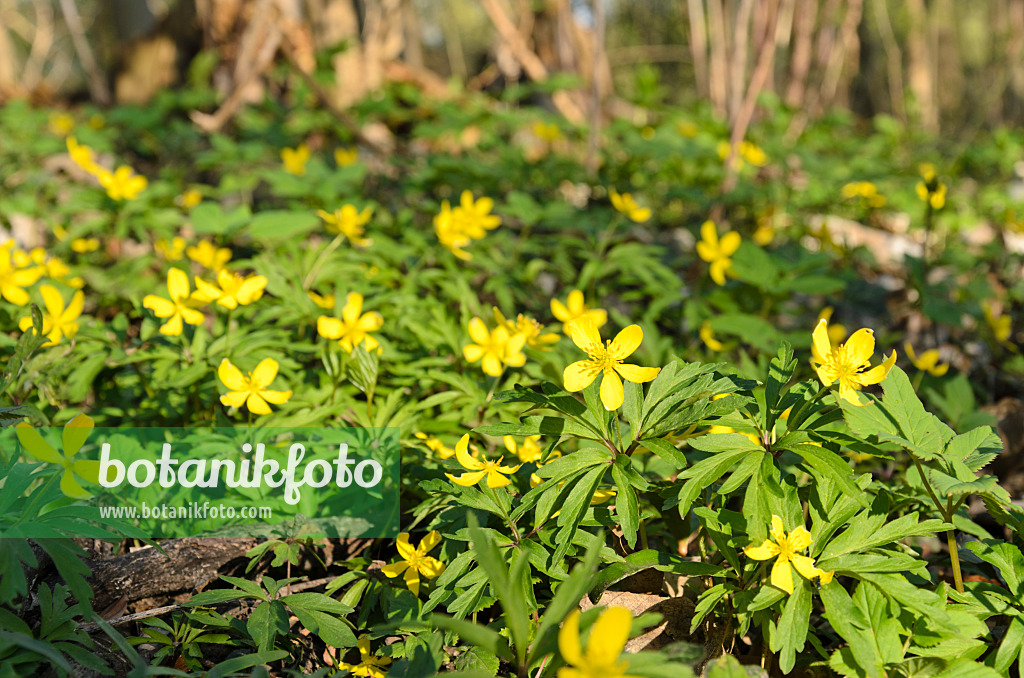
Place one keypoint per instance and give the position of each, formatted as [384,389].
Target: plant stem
[318,264]
[954,557]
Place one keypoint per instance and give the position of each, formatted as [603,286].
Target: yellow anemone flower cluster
[625,204]
[230,291]
[576,307]
[208,255]
[492,472]
[253,390]
[415,561]
[58,320]
[346,157]
[785,549]
[348,223]
[370,665]
[354,326]
[931,190]
[74,436]
[529,328]
[495,349]
[717,252]
[605,358]
[927,362]
[295,159]
[748,152]
[866,191]
[607,640]
[14,279]
[457,227]
[121,184]
[846,363]
[435,445]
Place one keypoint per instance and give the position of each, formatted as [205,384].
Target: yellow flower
[717,252]
[928,362]
[251,390]
[354,327]
[457,227]
[61,124]
[349,223]
[528,451]
[865,190]
[171,250]
[122,184]
[74,435]
[12,280]
[325,302]
[436,446]
[607,639]
[999,324]
[845,363]
[687,129]
[574,308]
[625,204]
[931,190]
[747,151]
[370,665]
[58,320]
[82,156]
[415,561]
[295,159]
[207,255]
[85,245]
[235,290]
[529,328]
[495,349]
[547,131]
[189,198]
[765,232]
[346,157]
[478,470]
[707,335]
[179,308]
[836,332]
[605,359]
[785,549]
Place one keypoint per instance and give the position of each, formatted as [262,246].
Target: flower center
[602,358]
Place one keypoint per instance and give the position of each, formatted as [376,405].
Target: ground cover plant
[648,427]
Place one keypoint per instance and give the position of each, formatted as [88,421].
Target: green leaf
[475,634]
[282,224]
[266,622]
[708,601]
[791,632]
[626,506]
[707,471]
[236,664]
[666,450]
[830,465]
[780,371]
[647,559]
[1006,557]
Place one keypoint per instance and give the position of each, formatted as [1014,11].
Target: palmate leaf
[791,632]
[955,487]
[1007,558]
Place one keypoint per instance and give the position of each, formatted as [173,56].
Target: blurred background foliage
[949,66]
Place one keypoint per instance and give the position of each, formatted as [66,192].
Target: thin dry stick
[757,81]
[718,85]
[894,59]
[739,57]
[530,62]
[97,85]
[800,62]
[593,134]
[698,44]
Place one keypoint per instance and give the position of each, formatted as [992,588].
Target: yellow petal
[412,580]
[160,306]
[257,405]
[234,399]
[405,549]
[330,328]
[777,530]
[858,348]
[878,373]
[276,397]
[821,344]
[173,327]
[637,374]
[612,394]
[74,309]
[626,342]
[395,569]
[75,433]
[569,639]
[353,308]
[782,575]
[578,375]
[432,539]
[231,376]
[583,333]
[478,332]
[462,455]
[767,550]
[576,303]
[799,539]
[709,235]
[70,487]
[608,636]
[718,269]
[264,374]
[729,244]
[177,283]
[467,479]
[36,445]
[52,300]
[431,567]
[491,365]
[805,567]
[87,469]
[559,310]
[496,480]
[472,352]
